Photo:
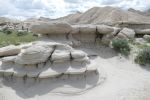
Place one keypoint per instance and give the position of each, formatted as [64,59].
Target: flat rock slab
[33,55]
[10,50]
[51,28]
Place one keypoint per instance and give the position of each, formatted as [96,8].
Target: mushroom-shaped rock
[9,50]
[104,29]
[34,54]
[51,28]
[126,33]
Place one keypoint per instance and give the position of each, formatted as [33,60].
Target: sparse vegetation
[6,31]
[143,56]
[15,37]
[121,46]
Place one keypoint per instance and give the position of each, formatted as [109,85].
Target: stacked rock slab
[75,34]
[44,60]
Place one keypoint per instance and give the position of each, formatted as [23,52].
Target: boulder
[104,29]
[10,50]
[126,33]
[51,28]
[146,37]
[34,55]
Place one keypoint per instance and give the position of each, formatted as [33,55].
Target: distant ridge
[106,15]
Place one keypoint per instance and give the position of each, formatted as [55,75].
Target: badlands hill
[4,20]
[106,15]
[145,13]
[37,19]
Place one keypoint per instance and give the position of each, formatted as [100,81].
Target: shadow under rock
[146,67]
[62,84]
[102,51]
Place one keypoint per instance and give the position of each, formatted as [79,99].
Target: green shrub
[143,57]
[7,31]
[21,33]
[122,46]
[15,39]
[4,29]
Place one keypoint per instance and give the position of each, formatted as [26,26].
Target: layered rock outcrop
[51,28]
[41,61]
[75,35]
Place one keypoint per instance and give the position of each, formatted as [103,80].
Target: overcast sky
[55,8]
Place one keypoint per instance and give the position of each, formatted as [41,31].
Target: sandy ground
[124,81]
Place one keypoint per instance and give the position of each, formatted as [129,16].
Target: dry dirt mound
[105,15]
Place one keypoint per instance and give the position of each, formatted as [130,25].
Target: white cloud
[56,8]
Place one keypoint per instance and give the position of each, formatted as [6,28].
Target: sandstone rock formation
[142,31]
[106,15]
[104,29]
[51,28]
[41,61]
[9,50]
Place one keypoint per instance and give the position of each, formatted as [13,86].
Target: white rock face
[9,50]
[104,29]
[51,28]
[33,55]
[126,33]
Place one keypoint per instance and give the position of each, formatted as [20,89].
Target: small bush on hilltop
[143,56]
[121,46]
[21,33]
[7,31]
